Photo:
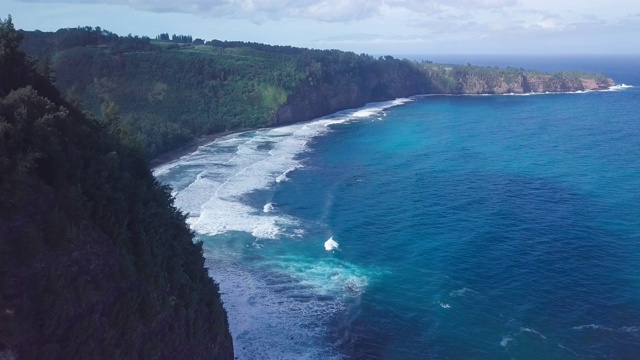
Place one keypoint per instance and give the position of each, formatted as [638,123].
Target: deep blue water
[469,227]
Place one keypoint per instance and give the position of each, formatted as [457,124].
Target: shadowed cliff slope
[95,260]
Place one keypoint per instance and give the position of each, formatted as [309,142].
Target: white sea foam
[365,113]
[444,305]
[371,110]
[279,308]
[567,349]
[354,285]
[272,315]
[328,276]
[611,88]
[526,94]
[619,87]
[462,292]
[505,341]
[331,244]
[163,169]
[210,184]
[623,329]
[196,157]
[214,199]
[267,231]
[283,177]
[269,207]
[532,331]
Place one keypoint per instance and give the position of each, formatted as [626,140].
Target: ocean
[436,227]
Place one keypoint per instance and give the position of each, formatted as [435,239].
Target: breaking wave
[210,185]
[623,329]
[278,305]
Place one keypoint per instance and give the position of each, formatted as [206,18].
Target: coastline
[190,147]
[193,145]
[249,340]
[243,345]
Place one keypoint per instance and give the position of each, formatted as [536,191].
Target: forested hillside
[95,260]
[173,89]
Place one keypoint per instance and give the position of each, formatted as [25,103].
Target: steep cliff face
[550,83]
[342,91]
[315,99]
[95,260]
[523,84]
[493,85]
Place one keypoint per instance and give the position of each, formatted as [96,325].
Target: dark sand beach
[189,148]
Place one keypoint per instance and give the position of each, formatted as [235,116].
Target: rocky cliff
[342,91]
[315,99]
[540,83]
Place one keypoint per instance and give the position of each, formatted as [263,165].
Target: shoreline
[190,147]
[238,311]
[194,144]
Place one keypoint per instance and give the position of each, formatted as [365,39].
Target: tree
[10,58]
[45,68]
[110,113]
[95,261]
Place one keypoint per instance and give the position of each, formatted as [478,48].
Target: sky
[396,27]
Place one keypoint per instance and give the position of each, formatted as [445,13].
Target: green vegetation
[95,260]
[173,89]
[469,79]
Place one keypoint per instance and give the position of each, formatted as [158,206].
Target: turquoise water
[471,227]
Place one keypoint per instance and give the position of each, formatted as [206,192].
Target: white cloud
[406,26]
[549,24]
[321,10]
[336,10]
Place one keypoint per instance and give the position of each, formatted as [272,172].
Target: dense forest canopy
[173,88]
[95,260]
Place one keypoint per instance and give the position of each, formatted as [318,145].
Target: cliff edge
[540,83]
[170,93]
[95,260]
[314,99]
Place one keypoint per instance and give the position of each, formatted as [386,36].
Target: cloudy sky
[371,26]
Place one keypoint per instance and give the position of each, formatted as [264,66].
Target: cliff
[95,261]
[325,97]
[341,89]
[461,79]
[532,84]
[171,93]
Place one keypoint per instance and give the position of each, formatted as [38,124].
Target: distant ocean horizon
[622,68]
[438,227]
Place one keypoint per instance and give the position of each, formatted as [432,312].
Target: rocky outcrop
[479,85]
[551,83]
[531,84]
